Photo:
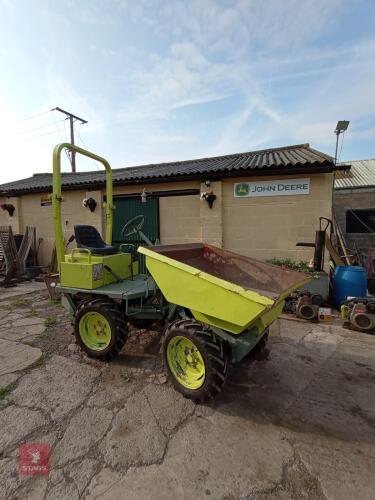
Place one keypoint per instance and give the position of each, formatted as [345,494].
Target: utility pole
[72,118]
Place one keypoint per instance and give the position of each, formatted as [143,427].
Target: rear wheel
[196,359]
[100,329]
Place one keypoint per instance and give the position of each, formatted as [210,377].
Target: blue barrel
[348,281]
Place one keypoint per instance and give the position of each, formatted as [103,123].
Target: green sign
[280,187]
[242,189]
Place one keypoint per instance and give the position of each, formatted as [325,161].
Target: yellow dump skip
[221,288]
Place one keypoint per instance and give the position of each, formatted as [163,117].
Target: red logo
[34,459]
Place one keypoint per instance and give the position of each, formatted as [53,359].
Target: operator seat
[88,237]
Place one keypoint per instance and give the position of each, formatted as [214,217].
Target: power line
[65,132]
[39,128]
[40,135]
[57,127]
[59,131]
[85,145]
[33,116]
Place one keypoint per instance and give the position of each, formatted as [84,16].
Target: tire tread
[107,307]
[216,354]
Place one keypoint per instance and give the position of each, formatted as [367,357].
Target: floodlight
[341,126]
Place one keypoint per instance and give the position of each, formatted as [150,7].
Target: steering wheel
[133,226]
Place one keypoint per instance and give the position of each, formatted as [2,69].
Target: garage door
[129,207]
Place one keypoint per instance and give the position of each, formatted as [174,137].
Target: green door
[129,207]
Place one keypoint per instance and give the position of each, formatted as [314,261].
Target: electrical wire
[57,127]
[342,143]
[86,147]
[40,135]
[34,116]
[60,134]
[65,132]
[39,128]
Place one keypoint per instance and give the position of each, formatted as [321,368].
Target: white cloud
[239,48]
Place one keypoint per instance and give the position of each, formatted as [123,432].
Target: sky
[165,80]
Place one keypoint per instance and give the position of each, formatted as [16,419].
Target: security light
[341,126]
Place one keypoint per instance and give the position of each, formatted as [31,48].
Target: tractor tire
[195,358]
[100,328]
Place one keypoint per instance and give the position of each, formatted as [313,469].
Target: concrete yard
[297,425]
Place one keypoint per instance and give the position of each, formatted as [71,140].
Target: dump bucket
[221,288]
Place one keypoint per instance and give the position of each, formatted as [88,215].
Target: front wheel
[100,329]
[196,359]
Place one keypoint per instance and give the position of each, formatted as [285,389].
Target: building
[264,201]
[354,204]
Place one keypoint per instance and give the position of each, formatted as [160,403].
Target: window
[360,221]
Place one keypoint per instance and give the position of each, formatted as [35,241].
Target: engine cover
[305,309]
[362,319]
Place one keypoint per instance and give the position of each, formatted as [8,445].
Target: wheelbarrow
[230,300]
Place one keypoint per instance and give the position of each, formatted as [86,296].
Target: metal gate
[129,207]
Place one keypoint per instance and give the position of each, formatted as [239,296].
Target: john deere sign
[289,187]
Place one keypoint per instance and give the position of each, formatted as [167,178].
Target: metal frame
[57,195]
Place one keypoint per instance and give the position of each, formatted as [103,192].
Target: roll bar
[57,198]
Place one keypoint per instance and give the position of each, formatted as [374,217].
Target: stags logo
[34,459]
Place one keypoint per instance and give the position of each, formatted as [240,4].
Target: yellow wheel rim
[185,362]
[95,331]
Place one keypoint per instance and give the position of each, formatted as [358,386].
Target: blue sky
[171,80]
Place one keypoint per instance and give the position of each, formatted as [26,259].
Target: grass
[54,302]
[33,312]
[38,363]
[126,376]
[19,303]
[301,265]
[50,321]
[4,391]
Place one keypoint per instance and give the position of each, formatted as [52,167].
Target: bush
[301,265]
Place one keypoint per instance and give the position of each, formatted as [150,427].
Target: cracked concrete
[15,357]
[135,437]
[82,472]
[299,424]
[78,437]
[12,430]
[58,387]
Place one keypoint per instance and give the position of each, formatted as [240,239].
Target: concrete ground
[298,425]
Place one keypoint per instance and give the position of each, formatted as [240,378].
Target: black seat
[89,237]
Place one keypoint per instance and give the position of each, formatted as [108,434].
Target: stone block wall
[267,227]
[262,227]
[346,199]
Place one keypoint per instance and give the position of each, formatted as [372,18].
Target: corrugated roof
[361,174]
[289,159]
